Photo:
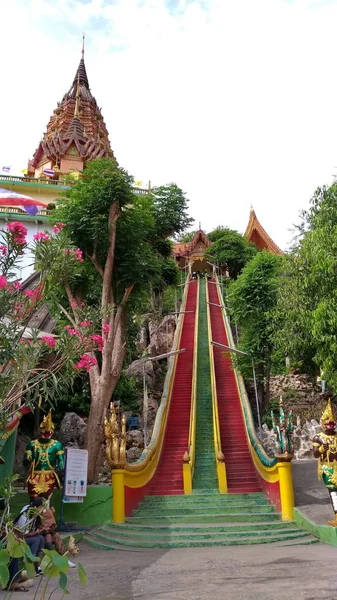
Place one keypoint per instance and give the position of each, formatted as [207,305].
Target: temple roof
[76,126]
[258,236]
[187,248]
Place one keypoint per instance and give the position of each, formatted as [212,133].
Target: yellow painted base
[286,491]
[118,501]
[222,477]
[187,475]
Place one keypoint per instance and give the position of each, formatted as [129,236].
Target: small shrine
[191,254]
[76,132]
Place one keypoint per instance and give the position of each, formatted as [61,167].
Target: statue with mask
[45,457]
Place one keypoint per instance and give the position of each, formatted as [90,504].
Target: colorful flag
[6,169]
[24,171]
[8,198]
[138,183]
[49,172]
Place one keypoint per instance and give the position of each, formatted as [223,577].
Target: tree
[308,294]
[230,250]
[252,299]
[32,365]
[186,238]
[123,238]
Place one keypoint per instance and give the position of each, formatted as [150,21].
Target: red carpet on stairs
[168,479]
[241,474]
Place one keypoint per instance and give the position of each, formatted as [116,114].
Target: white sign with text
[75,478]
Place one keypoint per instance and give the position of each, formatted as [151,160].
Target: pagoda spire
[76,132]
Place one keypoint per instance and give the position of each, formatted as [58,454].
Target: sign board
[75,478]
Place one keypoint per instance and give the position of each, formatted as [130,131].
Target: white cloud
[235,101]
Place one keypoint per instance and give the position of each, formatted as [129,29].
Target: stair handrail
[275,474]
[219,456]
[266,460]
[153,450]
[189,456]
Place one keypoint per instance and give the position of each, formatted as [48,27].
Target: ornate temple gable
[75,127]
[197,246]
[258,236]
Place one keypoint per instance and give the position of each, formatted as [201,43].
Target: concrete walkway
[311,495]
[266,572]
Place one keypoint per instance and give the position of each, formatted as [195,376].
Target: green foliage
[186,238]
[307,323]
[252,299]
[127,392]
[230,250]
[171,216]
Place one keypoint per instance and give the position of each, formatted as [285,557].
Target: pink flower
[49,341]
[86,362]
[72,331]
[58,227]
[3,282]
[106,329]
[41,237]
[98,341]
[3,250]
[73,304]
[19,232]
[17,285]
[78,254]
[86,323]
[29,293]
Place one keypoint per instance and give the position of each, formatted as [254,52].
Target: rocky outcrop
[72,431]
[139,368]
[161,335]
[303,436]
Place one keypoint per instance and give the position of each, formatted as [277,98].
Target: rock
[137,368]
[161,335]
[105,473]
[72,431]
[134,439]
[21,443]
[144,339]
[133,454]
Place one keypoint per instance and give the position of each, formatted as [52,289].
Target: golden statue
[115,436]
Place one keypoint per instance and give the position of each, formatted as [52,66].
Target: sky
[233,100]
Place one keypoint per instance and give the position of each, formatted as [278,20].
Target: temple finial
[77,95]
[83,40]
[199,225]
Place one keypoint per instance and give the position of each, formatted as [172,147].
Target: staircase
[241,474]
[205,518]
[169,476]
[169,519]
[205,475]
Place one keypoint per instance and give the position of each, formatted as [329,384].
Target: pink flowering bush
[41,237]
[3,249]
[58,227]
[18,232]
[49,341]
[86,362]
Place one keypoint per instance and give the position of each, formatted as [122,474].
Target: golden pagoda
[257,235]
[76,132]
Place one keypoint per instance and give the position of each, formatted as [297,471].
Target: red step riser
[168,479]
[232,429]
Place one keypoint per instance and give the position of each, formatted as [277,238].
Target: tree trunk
[102,387]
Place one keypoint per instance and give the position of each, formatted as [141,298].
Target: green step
[259,498]
[198,535]
[100,541]
[206,518]
[200,527]
[211,510]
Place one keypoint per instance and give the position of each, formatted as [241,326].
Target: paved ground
[265,572]
[262,572]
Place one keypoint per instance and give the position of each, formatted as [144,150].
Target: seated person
[52,538]
[34,532]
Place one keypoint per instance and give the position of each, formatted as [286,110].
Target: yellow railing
[138,474]
[219,457]
[268,468]
[189,457]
